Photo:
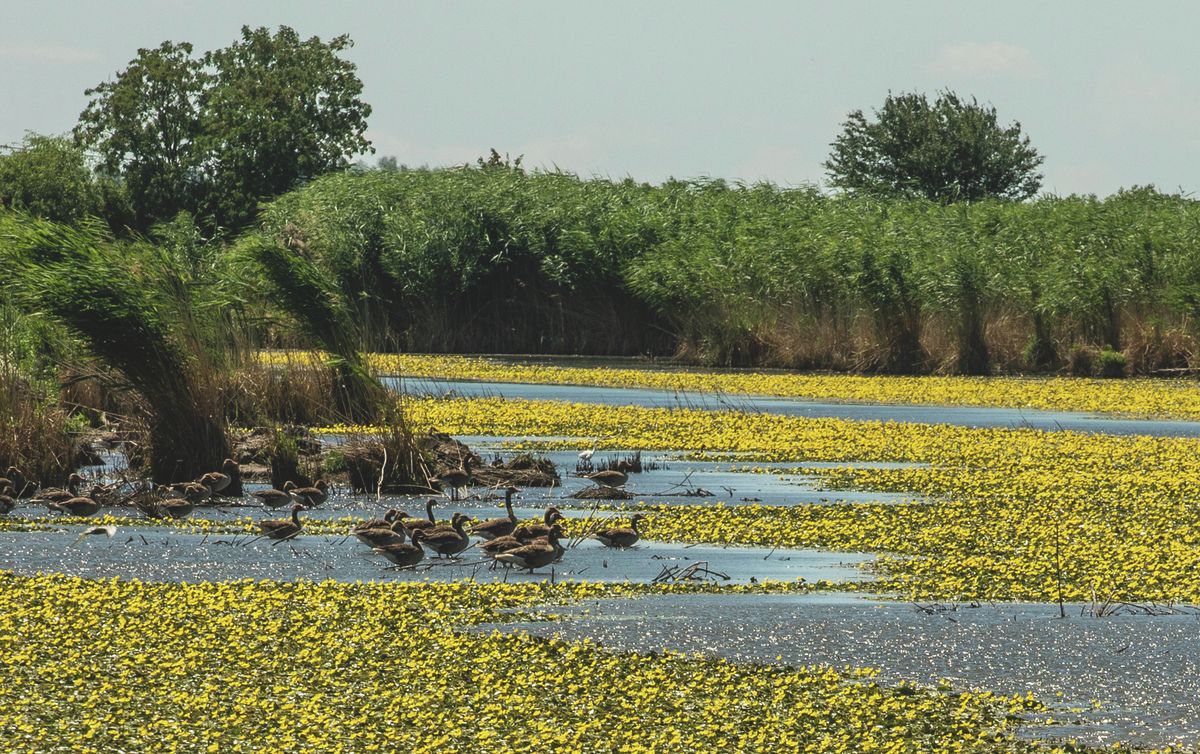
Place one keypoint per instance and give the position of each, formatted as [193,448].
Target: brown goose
[283,528]
[447,542]
[216,481]
[412,524]
[58,495]
[535,554]
[620,536]
[494,547]
[176,508]
[313,496]
[381,535]
[194,493]
[612,478]
[456,479]
[20,483]
[389,516]
[77,506]
[498,527]
[530,532]
[275,498]
[7,504]
[402,553]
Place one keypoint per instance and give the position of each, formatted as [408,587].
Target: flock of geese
[400,538]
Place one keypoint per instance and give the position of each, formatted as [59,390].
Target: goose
[612,478]
[193,493]
[283,528]
[311,497]
[620,536]
[216,481]
[389,516]
[7,504]
[494,547]
[77,506]
[498,527]
[412,524]
[530,532]
[456,479]
[20,483]
[176,508]
[402,553]
[447,542]
[58,494]
[535,554]
[275,498]
[380,535]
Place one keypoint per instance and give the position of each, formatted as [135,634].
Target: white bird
[107,529]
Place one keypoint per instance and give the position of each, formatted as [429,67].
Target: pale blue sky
[1109,92]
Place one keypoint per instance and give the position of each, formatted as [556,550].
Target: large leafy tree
[280,110]
[215,135]
[48,176]
[143,125]
[949,150]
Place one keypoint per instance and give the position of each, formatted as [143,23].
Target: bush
[1111,363]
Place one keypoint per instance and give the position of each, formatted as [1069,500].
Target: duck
[446,543]
[58,494]
[379,536]
[498,527]
[275,498]
[535,554]
[216,481]
[81,506]
[621,536]
[456,479]
[404,554]
[412,524]
[283,528]
[611,478]
[311,497]
[529,532]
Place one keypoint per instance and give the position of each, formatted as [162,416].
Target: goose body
[77,506]
[60,495]
[284,528]
[536,554]
[389,517]
[381,535]
[611,478]
[402,553]
[311,497]
[447,542]
[621,536]
[217,481]
[177,509]
[193,493]
[530,532]
[7,504]
[498,527]
[273,498]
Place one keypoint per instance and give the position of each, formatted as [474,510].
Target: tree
[48,176]
[216,135]
[949,151]
[144,125]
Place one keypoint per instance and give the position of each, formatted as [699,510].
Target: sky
[1108,92]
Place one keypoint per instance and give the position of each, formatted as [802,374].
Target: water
[162,554]
[1140,669]
[968,416]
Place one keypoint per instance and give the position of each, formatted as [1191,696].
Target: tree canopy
[947,151]
[218,134]
[48,176]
